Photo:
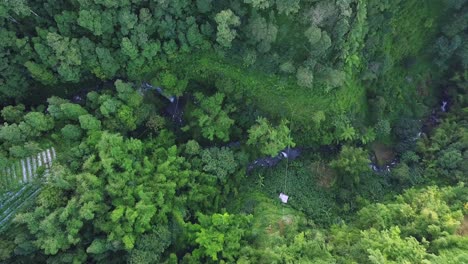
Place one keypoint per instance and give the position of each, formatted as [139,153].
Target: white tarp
[283,197]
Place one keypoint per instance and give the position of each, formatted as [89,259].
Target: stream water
[175,111]
[431,121]
[288,153]
[293,153]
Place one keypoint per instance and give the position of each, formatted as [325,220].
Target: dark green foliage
[351,164]
[149,247]
[71,132]
[444,152]
[134,182]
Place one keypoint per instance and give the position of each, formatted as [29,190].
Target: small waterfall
[444,106]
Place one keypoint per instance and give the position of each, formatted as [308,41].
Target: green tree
[225,35]
[259,4]
[388,247]
[305,77]
[313,34]
[262,33]
[89,122]
[288,7]
[40,73]
[219,236]
[107,65]
[382,128]
[204,6]
[71,132]
[39,122]
[450,159]
[213,117]
[219,162]
[11,134]
[270,140]
[149,248]
[13,114]
[351,164]
[72,111]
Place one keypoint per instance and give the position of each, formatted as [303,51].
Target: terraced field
[20,183]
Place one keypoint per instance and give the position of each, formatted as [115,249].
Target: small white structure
[25,170]
[283,197]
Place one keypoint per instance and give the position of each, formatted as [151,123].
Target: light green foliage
[67,53]
[204,6]
[346,72]
[127,117]
[288,7]
[219,162]
[259,4]
[219,236]
[149,247]
[54,107]
[59,227]
[38,121]
[172,85]
[270,140]
[333,78]
[351,164]
[388,247]
[40,73]
[287,67]
[213,116]
[156,123]
[71,111]
[107,66]
[262,33]
[192,147]
[426,213]
[127,20]
[71,132]
[130,172]
[443,153]
[89,122]
[368,136]
[382,128]
[343,129]
[225,34]
[129,49]
[127,94]
[410,229]
[11,134]
[13,114]
[91,20]
[109,106]
[313,34]
[305,77]
[450,159]
[23,151]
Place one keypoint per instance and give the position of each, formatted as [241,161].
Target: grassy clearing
[273,95]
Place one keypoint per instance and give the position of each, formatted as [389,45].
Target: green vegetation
[243,131]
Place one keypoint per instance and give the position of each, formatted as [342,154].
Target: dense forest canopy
[241,131]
